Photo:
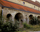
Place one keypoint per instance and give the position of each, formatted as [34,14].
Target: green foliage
[34,21]
[26,26]
[7,27]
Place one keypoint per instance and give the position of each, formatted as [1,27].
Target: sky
[35,0]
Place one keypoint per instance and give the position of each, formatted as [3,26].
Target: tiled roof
[35,3]
[17,6]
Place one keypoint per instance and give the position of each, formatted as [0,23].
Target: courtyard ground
[34,28]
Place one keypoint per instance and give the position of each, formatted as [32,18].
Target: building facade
[19,9]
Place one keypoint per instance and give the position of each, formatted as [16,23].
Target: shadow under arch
[30,16]
[31,19]
[19,20]
[18,16]
[9,16]
[38,17]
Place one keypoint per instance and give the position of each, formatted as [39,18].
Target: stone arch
[30,16]
[9,16]
[38,18]
[30,19]
[18,16]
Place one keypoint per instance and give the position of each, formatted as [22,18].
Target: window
[23,2]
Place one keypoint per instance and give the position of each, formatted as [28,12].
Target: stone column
[27,19]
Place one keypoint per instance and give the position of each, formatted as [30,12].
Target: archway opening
[30,16]
[18,16]
[38,17]
[9,16]
[31,19]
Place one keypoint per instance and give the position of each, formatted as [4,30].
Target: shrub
[7,27]
[26,26]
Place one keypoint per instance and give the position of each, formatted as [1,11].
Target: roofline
[32,3]
[25,1]
[20,10]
